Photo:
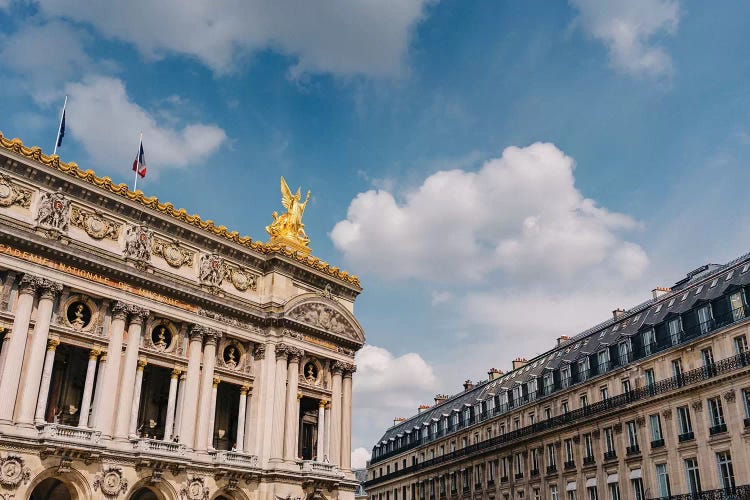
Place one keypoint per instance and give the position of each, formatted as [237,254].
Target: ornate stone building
[653,403]
[150,354]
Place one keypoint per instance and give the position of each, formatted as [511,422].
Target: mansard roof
[703,284]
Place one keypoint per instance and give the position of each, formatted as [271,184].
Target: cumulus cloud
[520,215]
[360,456]
[628,29]
[341,37]
[101,116]
[387,386]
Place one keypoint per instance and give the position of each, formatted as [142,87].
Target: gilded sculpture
[287,230]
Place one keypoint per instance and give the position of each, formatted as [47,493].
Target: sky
[498,173]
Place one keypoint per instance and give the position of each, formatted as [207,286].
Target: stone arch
[73,481]
[325,314]
[145,490]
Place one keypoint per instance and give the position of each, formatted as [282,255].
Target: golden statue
[287,229]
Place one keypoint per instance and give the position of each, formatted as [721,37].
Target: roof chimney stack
[441,398]
[494,374]
[423,408]
[618,313]
[398,420]
[519,363]
[659,291]
[468,385]
[562,339]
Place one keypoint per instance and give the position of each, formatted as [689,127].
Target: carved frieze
[138,243]
[212,270]
[324,317]
[230,321]
[13,471]
[174,254]
[95,223]
[241,279]
[12,194]
[54,212]
[111,482]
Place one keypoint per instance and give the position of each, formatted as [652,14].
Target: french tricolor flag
[139,165]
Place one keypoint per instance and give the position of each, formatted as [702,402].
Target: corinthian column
[88,389]
[98,390]
[171,400]
[107,402]
[204,401]
[212,413]
[291,421]
[34,363]
[127,384]
[320,449]
[187,418]
[346,418]
[180,406]
[335,442]
[241,418]
[49,361]
[133,427]
[277,419]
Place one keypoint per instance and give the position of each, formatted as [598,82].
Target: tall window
[534,460]
[519,465]
[637,485]
[565,376]
[553,492]
[737,305]
[583,401]
[746,404]
[649,341]
[603,357]
[614,491]
[677,369]
[656,434]
[549,382]
[591,491]
[675,330]
[569,457]
[571,494]
[626,386]
[662,480]
[604,393]
[704,318]
[505,467]
[693,476]
[707,355]
[609,440]
[726,471]
[564,407]
[716,412]
[551,456]
[491,471]
[740,344]
[625,350]
[548,413]
[588,445]
[583,368]
[650,378]
[632,435]
[683,420]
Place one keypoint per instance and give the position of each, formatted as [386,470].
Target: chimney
[562,339]
[440,398]
[494,373]
[618,313]
[423,408]
[659,291]
[398,420]
[519,363]
[468,385]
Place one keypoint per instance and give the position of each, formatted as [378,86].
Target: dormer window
[548,382]
[675,330]
[649,341]
[737,303]
[565,376]
[704,318]
[583,368]
[625,351]
[603,358]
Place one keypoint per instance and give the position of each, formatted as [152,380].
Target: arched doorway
[51,489]
[144,494]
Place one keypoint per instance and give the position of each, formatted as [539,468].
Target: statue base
[293,244]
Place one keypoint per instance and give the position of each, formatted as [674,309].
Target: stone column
[88,389]
[279,398]
[192,379]
[241,418]
[136,403]
[335,441]
[127,383]
[346,418]
[247,445]
[204,401]
[179,407]
[327,443]
[171,402]
[320,448]
[98,390]
[254,428]
[212,414]
[108,400]
[291,422]
[49,361]
[34,362]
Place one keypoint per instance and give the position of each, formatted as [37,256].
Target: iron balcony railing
[733,493]
[691,377]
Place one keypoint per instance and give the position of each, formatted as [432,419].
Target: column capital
[212,336]
[94,353]
[282,350]
[141,364]
[244,390]
[137,314]
[49,289]
[217,381]
[259,351]
[176,373]
[349,369]
[200,332]
[52,343]
[29,284]
[322,403]
[295,354]
[338,367]
[299,396]
[120,310]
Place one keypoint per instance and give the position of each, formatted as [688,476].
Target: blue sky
[628,123]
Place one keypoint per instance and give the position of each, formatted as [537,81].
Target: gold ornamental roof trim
[71,168]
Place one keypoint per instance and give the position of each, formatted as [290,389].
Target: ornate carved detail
[174,254]
[697,405]
[11,194]
[195,489]
[338,367]
[295,353]
[138,243]
[282,350]
[54,212]
[327,292]
[50,289]
[13,471]
[242,279]
[120,310]
[232,484]
[212,269]
[64,467]
[95,223]
[29,284]
[324,317]
[111,482]
[730,396]
[230,321]
[137,314]
[667,413]
[259,351]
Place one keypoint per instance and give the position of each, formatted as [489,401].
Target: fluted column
[291,421]
[171,403]
[346,418]
[212,413]
[49,361]
[127,383]
[279,399]
[16,346]
[204,401]
[136,403]
[98,390]
[257,436]
[247,445]
[327,443]
[179,408]
[320,448]
[108,400]
[34,363]
[88,388]
[335,442]
[192,380]
[241,418]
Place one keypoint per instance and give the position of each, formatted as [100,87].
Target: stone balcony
[235,459]
[313,467]
[68,434]
[158,447]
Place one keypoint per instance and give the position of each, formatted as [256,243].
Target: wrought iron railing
[733,493]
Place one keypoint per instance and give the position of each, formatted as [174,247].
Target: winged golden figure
[287,229]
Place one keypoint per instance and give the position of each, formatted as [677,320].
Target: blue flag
[61,132]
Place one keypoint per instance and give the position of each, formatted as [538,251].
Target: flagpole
[137,162]
[57,137]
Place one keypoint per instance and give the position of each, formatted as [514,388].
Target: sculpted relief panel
[54,212]
[324,317]
[95,224]
[11,194]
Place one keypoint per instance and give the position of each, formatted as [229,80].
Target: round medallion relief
[161,337]
[12,471]
[78,314]
[231,356]
[311,372]
[172,255]
[111,483]
[6,194]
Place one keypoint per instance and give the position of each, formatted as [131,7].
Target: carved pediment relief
[326,317]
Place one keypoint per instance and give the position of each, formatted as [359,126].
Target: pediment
[327,315]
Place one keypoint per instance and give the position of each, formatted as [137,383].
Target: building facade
[150,354]
[653,403]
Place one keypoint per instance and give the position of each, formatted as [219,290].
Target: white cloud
[385,387]
[341,37]
[520,215]
[441,297]
[628,29]
[360,456]
[103,118]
